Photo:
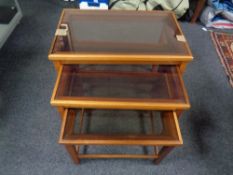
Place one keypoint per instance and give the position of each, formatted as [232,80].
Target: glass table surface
[94,84]
[119,33]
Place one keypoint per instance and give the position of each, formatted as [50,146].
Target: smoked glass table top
[107,125]
[86,83]
[119,33]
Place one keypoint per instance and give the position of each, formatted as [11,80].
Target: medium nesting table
[119,81]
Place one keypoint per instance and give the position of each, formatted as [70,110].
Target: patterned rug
[224,46]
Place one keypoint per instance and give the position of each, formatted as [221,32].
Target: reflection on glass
[120,33]
[110,122]
[105,82]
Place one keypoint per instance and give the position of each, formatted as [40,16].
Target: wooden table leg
[73,153]
[198,9]
[183,68]
[61,111]
[57,65]
[163,153]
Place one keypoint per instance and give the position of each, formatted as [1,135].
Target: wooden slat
[153,130]
[81,121]
[106,73]
[69,38]
[121,136]
[126,156]
[54,39]
[141,142]
[106,62]
[87,58]
[70,121]
[178,127]
[88,139]
[169,126]
[57,83]
[181,32]
[183,87]
[168,86]
[113,104]
[63,124]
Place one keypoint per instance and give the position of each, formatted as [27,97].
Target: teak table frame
[170,112]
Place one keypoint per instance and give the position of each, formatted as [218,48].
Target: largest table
[108,61]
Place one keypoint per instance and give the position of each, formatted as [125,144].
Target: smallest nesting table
[119,82]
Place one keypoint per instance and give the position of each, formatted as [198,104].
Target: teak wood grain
[170,136]
[120,103]
[170,111]
[71,57]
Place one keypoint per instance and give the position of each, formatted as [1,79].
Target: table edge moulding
[78,91]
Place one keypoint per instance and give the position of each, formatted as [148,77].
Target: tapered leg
[73,153]
[57,65]
[61,111]
[198,9]
[183,68]
[163,153]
